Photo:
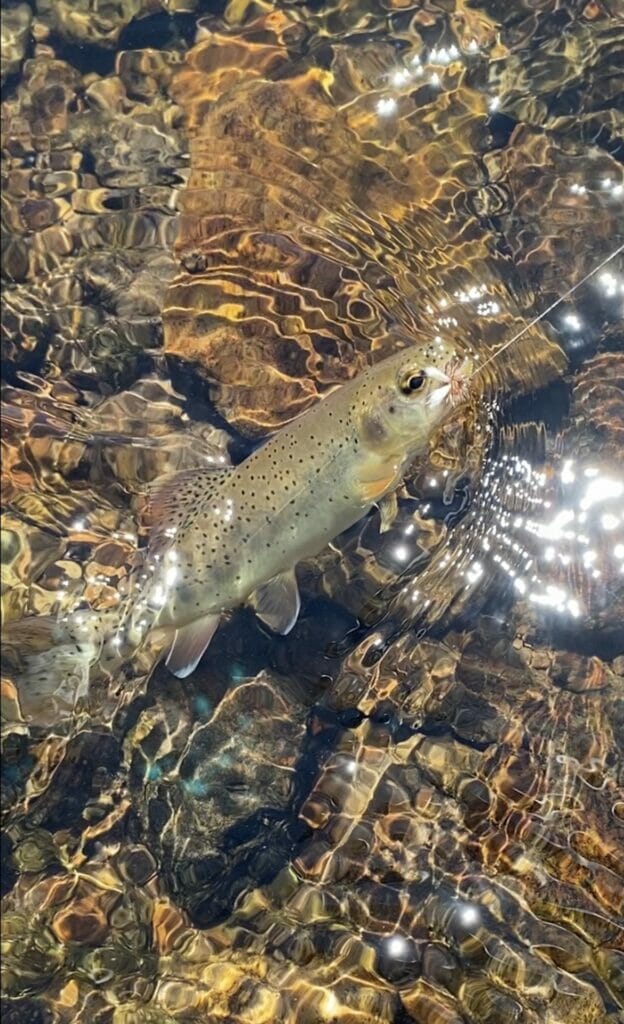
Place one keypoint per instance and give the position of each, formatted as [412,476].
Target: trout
[221,538]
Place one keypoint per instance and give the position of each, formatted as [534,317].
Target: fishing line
[550,308]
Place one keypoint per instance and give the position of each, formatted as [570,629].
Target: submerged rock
[212,779]
[87,21]
[14,37]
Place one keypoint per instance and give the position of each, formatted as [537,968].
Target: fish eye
[412,382]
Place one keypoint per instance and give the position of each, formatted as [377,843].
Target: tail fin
[49,663]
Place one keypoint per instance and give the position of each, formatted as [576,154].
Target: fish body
[234,536]
[221,538]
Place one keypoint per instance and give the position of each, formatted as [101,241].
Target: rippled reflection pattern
[411,808]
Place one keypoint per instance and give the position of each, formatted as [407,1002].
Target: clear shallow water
[410,808]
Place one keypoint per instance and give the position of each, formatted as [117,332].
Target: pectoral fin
[388,511]
[189,644]
[375,486]
[277,602]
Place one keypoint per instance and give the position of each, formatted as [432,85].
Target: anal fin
[189,644]
[277,602]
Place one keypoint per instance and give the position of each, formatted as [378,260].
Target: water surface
[411,808]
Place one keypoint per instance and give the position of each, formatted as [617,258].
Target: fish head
[409,394]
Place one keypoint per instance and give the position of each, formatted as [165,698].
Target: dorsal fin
[171,499]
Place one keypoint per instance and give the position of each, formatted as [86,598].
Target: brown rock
[82,921]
